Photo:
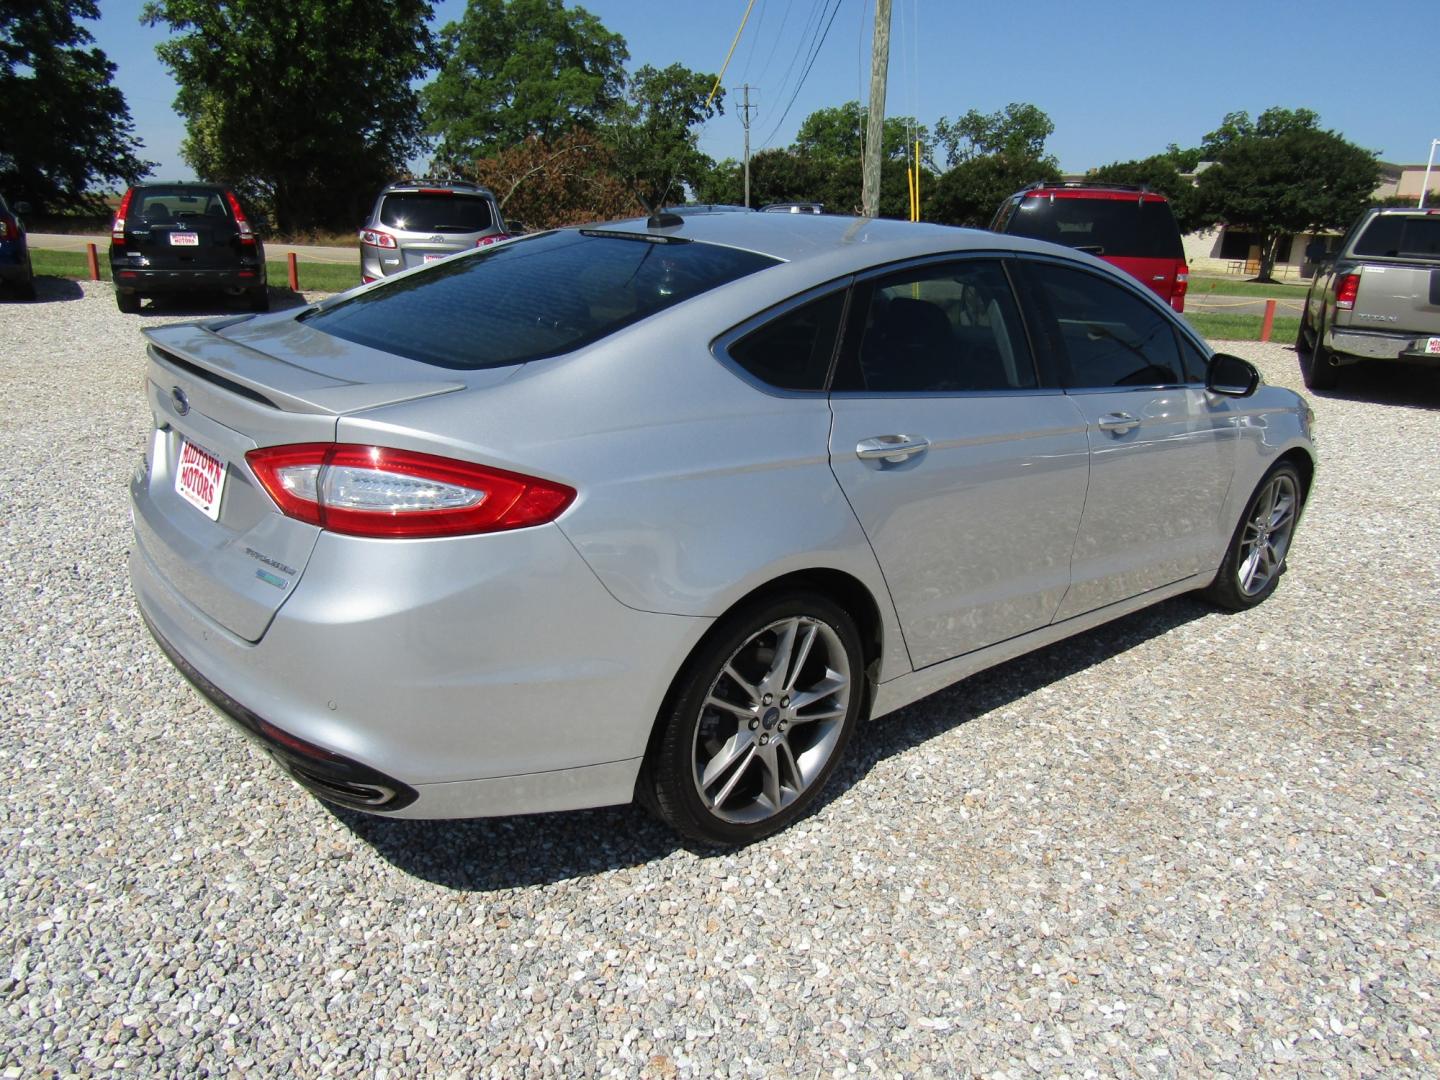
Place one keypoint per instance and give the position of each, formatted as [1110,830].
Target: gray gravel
[1186,844]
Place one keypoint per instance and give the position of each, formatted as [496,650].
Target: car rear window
[531,298]
[156,204]
[1115,227]
[438,212]
[1400,237]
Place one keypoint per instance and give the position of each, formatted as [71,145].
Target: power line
[815,53]
[816,16]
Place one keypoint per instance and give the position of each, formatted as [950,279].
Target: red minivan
[1128,227]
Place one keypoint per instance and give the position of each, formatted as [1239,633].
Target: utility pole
[745,110]
[1429,164]
[875,129]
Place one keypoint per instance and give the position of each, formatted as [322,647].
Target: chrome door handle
[1118,422]
[893,448]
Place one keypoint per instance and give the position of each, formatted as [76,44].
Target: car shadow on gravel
[487,854]
[1382,384]
[48,290]
[202,305]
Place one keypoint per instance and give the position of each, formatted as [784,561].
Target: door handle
[1118,422]
[892,448]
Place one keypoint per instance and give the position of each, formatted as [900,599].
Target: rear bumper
[1353,346]
[505,681]
[150,281]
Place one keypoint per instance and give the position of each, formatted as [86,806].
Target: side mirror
[22,208]
[1231,376]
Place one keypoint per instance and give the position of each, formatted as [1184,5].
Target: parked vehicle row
[664,509]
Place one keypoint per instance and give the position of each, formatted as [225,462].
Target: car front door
[1162,448]
[967,476]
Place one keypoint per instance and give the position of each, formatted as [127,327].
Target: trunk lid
[1395,297]
[200,515]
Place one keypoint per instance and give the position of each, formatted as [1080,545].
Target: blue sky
[1119,80]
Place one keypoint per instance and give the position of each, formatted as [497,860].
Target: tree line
[309,107]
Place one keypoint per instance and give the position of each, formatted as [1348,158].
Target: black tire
[259,298]
[731,709]
[1255,557]
[25,290]
[127,301]
[1316,370]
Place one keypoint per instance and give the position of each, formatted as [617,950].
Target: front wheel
[1255,558]
[760,719]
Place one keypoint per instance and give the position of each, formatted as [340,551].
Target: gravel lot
[1187,843]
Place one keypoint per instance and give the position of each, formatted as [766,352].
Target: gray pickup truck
[1377,299]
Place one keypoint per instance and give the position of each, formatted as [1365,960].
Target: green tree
[66,128]
[838,134]
[1016,132]
[1281,176]
[971,192]
[308,103]
[515,68]
[651,133]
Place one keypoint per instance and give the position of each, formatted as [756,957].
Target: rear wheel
[1255,558]
[763,715]
[127,301]
[259,298]
[26,289]
[1316,369]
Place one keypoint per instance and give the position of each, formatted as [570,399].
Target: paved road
[304,252]
[1243,305]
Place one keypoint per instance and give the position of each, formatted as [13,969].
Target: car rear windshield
[437,212]
[1399,237]
[531,298]
[1115,227]
[157,204]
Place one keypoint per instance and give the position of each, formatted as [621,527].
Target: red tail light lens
[247,234]
[376,238]
[1181,287]
[117,227]
[382,492]
[1345,290]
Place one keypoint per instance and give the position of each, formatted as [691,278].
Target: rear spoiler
[199,351]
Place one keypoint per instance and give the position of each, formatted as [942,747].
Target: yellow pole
[916,216]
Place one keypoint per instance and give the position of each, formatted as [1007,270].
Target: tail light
[1181,286]
[117,227]
[376,238]
[242,223]
[382,492]
[486,241]
[1346,288]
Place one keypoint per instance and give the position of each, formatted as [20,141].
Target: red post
[93,257]
[295,274]
[1269,323]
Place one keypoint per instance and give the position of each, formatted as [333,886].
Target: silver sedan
[663,509]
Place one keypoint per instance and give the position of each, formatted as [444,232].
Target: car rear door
[1162,448]
[967,476]
[182,229]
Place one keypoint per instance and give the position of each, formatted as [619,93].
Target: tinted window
[793,352]
[1110,337]
[1123,227]
[159,204]
[947,327]
[533,297]
[419,212]
[1398,236]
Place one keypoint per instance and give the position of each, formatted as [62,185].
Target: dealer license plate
[433,258]
[1433,345]
[200,478]
[184,239]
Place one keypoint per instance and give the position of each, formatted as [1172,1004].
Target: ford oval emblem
[181,400]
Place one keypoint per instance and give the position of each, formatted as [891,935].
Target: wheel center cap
[771,718]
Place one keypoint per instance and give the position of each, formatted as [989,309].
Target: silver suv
[417,221]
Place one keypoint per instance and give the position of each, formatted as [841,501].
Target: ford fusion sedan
[665,509]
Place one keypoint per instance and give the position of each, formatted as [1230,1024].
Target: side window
[1110,337]
[793,352]
[1195,361]
[938,328]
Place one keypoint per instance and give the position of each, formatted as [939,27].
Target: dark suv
[185,238]
[15,268]
[419,221]
[1129,227]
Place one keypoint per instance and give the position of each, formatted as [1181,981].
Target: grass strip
[1203,286]
[1220,326]
[314,276]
